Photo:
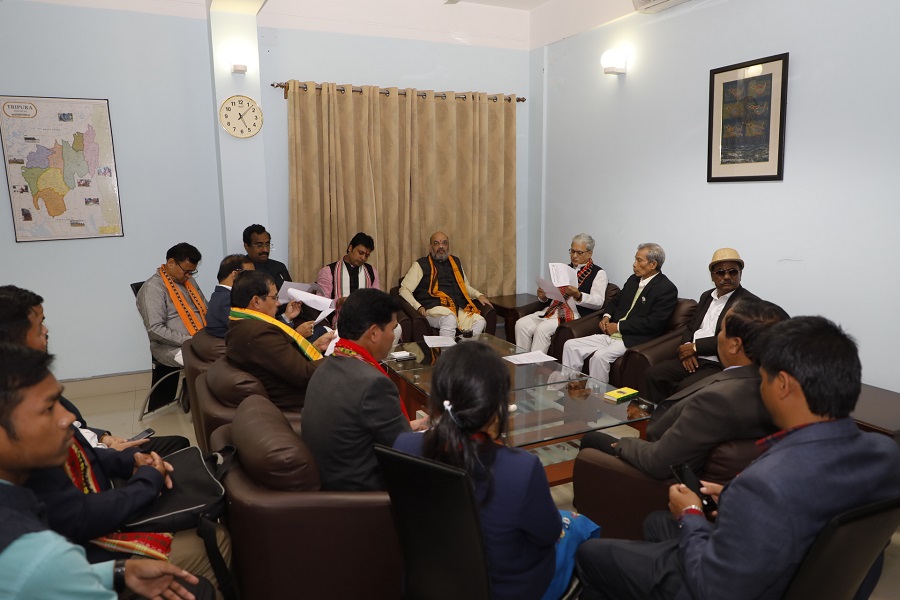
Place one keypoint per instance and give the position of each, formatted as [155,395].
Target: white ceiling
[516,4]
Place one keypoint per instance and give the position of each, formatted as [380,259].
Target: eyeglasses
[186,272]
[578,252]
[261,245]
[722,272]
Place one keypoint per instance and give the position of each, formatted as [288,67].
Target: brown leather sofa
[290,539]
[628,370]
[560,338]
[618,497]
[419,326]
[198,354]
[219,392]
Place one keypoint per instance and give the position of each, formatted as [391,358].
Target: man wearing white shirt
[534,331]
[639,314]
[697,357]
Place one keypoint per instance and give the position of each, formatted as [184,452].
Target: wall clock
[241,116]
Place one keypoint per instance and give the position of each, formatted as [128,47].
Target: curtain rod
[358,90]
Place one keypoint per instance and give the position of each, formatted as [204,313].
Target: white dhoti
[442,318]
[606,350]
[534,333]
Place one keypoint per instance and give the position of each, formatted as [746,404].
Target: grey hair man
[534,331]
[640,313]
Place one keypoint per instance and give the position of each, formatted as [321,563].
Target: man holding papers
[576,296]
[266,347]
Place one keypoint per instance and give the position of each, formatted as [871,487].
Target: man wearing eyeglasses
[697,356]
[258,244]
[171,304]
[535,330]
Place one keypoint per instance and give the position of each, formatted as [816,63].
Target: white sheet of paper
[311,300]
[528,358]
[562,275]
[283,296]
[322,315]
[551,290]
[330,349]
[438,341]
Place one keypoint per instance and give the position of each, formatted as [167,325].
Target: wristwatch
[119,575]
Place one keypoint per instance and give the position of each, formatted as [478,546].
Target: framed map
[60,168]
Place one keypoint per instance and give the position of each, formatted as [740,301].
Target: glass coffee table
[555,405]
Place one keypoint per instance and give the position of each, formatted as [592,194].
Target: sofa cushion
[231,385]
[269,450]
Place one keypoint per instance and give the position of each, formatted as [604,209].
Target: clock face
[241,116]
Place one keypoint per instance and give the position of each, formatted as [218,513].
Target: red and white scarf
[562,310]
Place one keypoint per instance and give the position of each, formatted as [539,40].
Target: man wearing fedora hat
[697,357]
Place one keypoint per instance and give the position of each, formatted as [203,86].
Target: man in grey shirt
[171,304]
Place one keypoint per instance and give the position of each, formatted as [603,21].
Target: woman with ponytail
[469,410]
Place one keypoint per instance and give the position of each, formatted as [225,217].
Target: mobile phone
[683,474]
[142,435]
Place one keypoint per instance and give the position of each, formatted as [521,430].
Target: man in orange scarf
[438,288]
[171,304]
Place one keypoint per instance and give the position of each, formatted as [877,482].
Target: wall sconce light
[239,69]
[614,61]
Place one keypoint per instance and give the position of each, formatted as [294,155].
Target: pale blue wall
[627,157]
[155,72]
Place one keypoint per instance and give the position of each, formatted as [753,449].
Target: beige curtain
[400,167]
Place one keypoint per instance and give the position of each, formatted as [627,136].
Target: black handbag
[196,500]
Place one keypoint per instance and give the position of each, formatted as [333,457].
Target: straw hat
[726,254]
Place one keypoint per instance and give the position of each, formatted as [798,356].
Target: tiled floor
[115,403]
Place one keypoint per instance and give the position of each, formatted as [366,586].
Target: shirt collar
[771,440]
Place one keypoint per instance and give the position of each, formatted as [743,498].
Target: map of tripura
[51,172]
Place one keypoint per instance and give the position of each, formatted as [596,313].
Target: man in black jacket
[640,313]
[697,356]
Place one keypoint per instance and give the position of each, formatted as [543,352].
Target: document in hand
[551,290]
[284,297]
[562,275]
[312,300]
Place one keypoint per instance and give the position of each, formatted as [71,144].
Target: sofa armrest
[615,495]
[523,311]
[582,327]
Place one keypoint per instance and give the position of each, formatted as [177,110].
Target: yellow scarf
[444,298]
[181,305]
[307,349]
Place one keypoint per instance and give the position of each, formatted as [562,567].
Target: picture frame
[747,107]
[61,168]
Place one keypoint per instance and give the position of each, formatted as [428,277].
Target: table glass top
[553,403]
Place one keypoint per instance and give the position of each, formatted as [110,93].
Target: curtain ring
[342,90]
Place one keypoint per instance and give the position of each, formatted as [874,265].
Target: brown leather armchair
[195,352]
[628,370]
[618,497]
[219,392]
[564,331]
[290,538]
[419,326]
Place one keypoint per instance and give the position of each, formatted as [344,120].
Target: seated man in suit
[351,403]
[535,330]
[640,313]
[723,407]
[36,433]
[172,306]
[220,301]
[697,357]
[818,466]
[353,272]
[266,347]
[436,285]
[22,322]
[258,245]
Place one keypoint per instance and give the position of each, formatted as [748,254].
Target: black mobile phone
[683,474]
[142,435]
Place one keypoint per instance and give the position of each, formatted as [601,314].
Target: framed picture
[747,105]
[60,167]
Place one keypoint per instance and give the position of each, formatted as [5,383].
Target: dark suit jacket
[708,346]
[726,406]
[350,407]
[271,356]
[771,513]
[217,310]
[650,315]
